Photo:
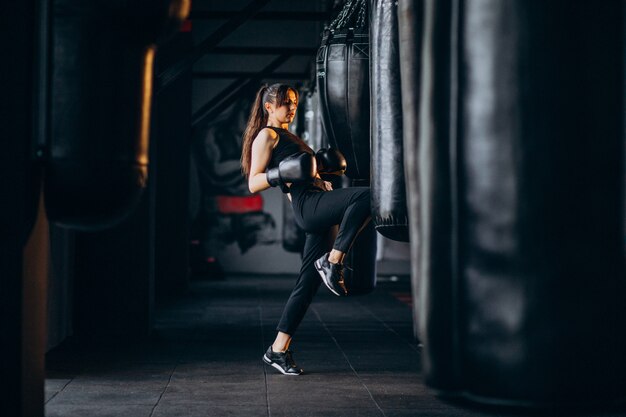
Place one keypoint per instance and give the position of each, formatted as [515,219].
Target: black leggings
[318,213]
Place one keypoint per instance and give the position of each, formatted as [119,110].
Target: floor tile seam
[348,361]
[164,390]
[389,328]
[59,391]
[267,392]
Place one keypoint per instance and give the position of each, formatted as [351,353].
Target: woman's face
[284,112]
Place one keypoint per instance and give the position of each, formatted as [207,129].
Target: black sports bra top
[287,145]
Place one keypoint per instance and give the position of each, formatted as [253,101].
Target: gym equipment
[389,210]
[410,25]
[360,263]
[343,83]
[102,57]
[330,162]
[519,198]
[300,167]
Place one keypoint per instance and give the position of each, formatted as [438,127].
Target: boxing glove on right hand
[330,162]
[299,167]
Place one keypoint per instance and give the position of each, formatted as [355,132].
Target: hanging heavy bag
[101,82]
[20,173]
[410,25]
[360,263]
[343,84]
[313,134]
[389,210]
[520,201]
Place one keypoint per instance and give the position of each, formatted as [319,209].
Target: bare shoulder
[266,137]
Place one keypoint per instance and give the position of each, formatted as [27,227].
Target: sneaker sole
[274,365]
[320,270]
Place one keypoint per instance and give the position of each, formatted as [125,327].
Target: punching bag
[313,133]
[343,84]
[22,345]
[389,210]
[102,63]
[360,263]
[520,146]
[410,25]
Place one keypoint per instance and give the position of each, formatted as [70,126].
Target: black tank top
[288,144]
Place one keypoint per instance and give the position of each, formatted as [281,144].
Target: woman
[272,156]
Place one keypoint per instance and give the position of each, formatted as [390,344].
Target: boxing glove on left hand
[299,167]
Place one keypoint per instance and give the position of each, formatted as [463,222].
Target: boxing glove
[330,162]
[299,167]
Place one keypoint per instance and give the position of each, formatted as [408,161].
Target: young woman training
[274,157]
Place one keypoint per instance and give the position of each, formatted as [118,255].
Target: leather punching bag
[410,25]
[520,146]
[389,210]
[343,84]
[101,83]
[360,263]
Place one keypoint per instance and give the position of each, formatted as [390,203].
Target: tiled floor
[358,353]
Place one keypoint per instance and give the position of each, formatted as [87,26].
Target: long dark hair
[275,94]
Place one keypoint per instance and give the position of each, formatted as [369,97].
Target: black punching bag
[389,210]
[101,83]
[343,83]
[410,25]
[360,263]
[522,280]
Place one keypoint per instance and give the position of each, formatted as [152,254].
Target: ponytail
[275,93]
[256,121]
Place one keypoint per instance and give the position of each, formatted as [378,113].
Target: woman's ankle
[335,257]
[333,261]
[281,343]
[277,349]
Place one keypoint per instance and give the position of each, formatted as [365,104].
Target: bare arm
[262,147]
